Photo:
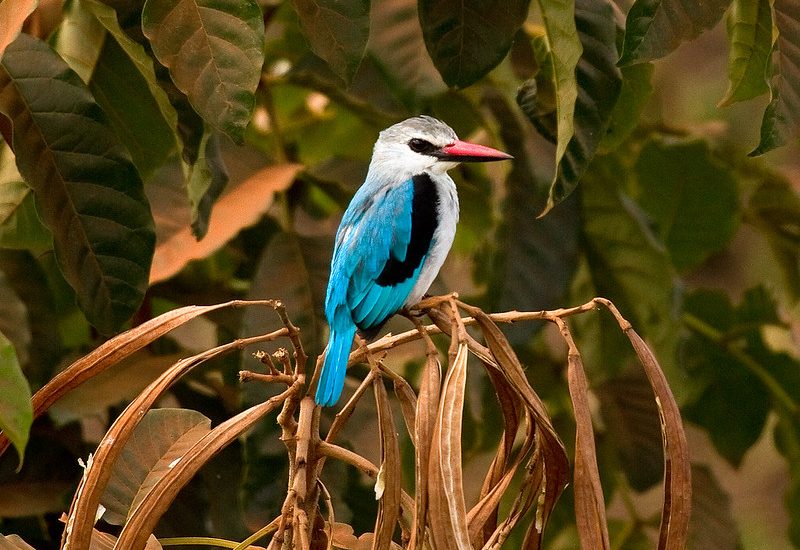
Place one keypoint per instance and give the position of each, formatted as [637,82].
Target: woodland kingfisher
[394,235]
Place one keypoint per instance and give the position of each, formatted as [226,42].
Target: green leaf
[12,17]
[565,51]
[79,39]
[207,179]
[750,37]
[395,40]
[691,197]
[14,318]
[122,92]
[598,85]
[534,259]
[161,438]
[712,524]
[722,378]
[125,85]
[787,441]
[774,209]
[782,116]
[656,27]
[27,279]
[16,411]
[468,39]
[537,96]
[20,226]
[87,190]
[629,266]
[337,31]
[214,51]
[637,88]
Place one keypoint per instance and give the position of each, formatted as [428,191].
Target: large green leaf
[468,39]
[395,39]
[633,98]
[565,51]
[125,85]
[774,209]
[214,51]
[598,87]
[161,438]
[629,266]
[79,39]
[16,412]
[782,116]
[337,31]
[750,37]
[87,190]
[122,92]
[729,363]
[691,197]
[656,27]
[787,441]
[534,259]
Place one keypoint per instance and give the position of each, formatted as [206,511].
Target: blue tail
[331,380]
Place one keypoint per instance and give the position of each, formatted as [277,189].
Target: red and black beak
[463,151]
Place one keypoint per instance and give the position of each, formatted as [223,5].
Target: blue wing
[376,227]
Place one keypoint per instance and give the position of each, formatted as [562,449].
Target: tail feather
[331,380]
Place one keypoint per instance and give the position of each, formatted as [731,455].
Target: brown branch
[249,376]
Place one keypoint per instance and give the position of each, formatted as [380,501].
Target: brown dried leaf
[447,509]
[408,405]
[677,468]
[13,14]
[424,425]
[144,517]
[343,536]
[87,497]
[14,542]
[104,541]
[113,351]
[556,464]
[367,542]
[482,517]
[235,210]
[590,509]
[158,442]
[390,470]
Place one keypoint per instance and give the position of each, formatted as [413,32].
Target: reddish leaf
[235,210]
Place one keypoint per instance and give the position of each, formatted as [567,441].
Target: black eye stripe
[421,146]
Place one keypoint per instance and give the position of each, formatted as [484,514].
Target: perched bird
[394,235]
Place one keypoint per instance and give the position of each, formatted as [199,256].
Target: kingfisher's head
[425,144]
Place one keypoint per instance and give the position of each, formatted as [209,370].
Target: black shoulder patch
[424,219]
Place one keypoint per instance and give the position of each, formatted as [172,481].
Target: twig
[300,356]
[249,376]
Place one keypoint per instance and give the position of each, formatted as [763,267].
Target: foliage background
[693,239]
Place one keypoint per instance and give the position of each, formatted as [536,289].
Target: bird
[393,237]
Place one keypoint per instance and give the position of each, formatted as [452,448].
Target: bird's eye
[420,145]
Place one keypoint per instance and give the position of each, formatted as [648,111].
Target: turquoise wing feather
[375,227]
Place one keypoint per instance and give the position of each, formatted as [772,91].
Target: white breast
[443,235]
